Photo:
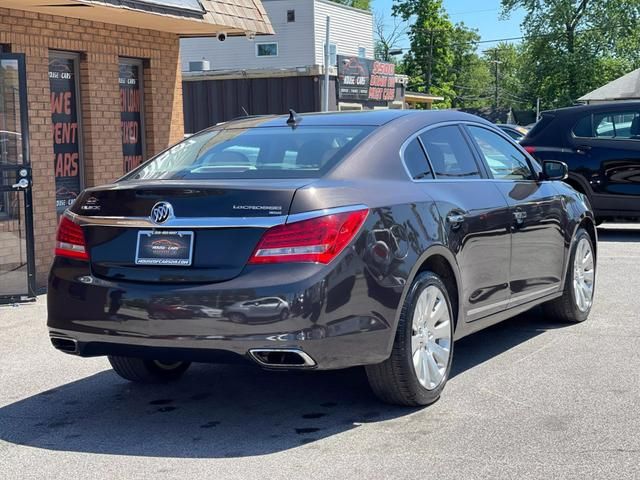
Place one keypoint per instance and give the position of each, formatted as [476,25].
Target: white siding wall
[295,42]
[350,29]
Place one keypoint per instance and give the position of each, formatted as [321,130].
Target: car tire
[397,380]
[284,314]
[140,370]
[237,318]
[580,276]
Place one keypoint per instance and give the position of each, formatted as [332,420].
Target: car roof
[374,118]
[594,107]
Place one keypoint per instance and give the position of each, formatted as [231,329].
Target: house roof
[626,87]
[183,17]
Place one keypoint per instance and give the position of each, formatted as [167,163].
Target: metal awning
[415,97]
[187,18]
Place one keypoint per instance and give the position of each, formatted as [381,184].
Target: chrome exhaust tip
[281,358]
[65,344]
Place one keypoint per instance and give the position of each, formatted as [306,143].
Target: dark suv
[601,145]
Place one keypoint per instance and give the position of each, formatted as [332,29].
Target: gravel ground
[527,399]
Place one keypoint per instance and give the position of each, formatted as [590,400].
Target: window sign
[131,120]
[65,126]
[266,49]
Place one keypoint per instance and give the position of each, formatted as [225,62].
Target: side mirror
[554,170]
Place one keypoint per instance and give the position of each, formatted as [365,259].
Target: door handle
[455,219]
[22,184]
[583,149]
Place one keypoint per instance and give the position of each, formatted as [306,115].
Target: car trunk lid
[216,226]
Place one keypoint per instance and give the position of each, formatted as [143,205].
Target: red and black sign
[66,132]
[362,80]
[131,115]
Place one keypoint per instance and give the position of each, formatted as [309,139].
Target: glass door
[17,266]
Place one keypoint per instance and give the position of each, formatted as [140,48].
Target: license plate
[164,247]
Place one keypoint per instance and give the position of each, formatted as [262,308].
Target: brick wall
[100,46]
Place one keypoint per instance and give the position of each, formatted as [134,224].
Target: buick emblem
[161,212]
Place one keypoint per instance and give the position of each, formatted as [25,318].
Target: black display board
[363,80]
[66,130]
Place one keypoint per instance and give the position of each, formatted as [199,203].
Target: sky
[483,15]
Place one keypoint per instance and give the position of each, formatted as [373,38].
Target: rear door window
[503,159]
[622,125]
[449,153]
[259,152]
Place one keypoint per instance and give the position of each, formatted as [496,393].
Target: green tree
[442,58]
[574,46]
[361,4]
[430,33]
[469,73]
[505,63]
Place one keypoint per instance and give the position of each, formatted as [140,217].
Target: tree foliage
[574,46]
[441,52]
[361,4]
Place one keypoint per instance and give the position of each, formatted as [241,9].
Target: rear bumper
[332,314]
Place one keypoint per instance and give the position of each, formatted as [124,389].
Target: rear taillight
[70,240]
[317,240]
[530,149]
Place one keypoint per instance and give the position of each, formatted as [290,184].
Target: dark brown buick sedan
[321,241]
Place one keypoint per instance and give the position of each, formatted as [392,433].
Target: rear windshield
[540,125]
[265,152]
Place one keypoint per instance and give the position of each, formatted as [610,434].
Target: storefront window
[131,113]
[65,117]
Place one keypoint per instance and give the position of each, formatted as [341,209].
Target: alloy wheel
[583,275]
[431,337]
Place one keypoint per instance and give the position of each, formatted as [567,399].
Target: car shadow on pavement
[219,411]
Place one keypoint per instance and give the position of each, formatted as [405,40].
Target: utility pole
[327,61]
[538,109]
[497,80]
[430,64]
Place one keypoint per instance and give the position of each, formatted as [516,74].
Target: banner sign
[131,115]
[362,80]
[66,133]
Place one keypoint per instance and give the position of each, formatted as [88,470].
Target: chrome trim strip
[298,217]
[208,222]
[191,222]
[540,292]
[308,361]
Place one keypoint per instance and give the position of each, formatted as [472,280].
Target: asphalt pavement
[528,398]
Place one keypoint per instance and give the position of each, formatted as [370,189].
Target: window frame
[604,113]
[484,175]
[138,62]
[77,58]
[267,43]
[291,15]
[534,173]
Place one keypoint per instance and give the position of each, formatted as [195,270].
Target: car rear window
[540,125]
[264,152]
